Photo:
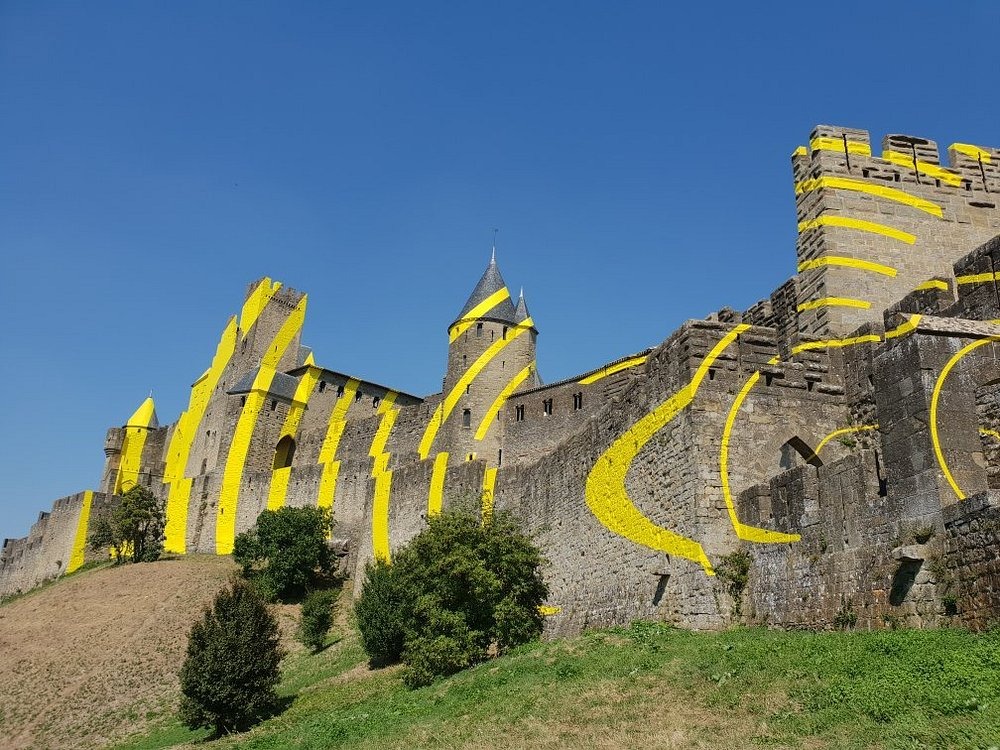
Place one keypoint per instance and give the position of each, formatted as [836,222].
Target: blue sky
[157,157]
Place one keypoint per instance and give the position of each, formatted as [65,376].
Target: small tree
[286,549]
[231,669]
[316,618]
[133,530]
[457,591]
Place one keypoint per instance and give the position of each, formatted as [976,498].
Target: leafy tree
[457,591]
[316,618]
[231,669]
[286,550]
[133,530]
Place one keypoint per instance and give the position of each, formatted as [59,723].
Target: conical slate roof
[521,313]
[144,416]
[491,283]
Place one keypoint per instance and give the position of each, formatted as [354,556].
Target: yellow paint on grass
[931,170]
[76,555]
[225,522]
[328,451]
[935,399]
[489,488]
[839,260]
[860,186]
[445,408]
[491,414]
[973,152]
[743,531]
[846,222]
[435,498]
[605,491]
[837,144]
[477,312]
[834,302]
[182,440]
[278,490]
[612,369]
[136,430]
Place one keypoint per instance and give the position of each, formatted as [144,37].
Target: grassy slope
[650,687]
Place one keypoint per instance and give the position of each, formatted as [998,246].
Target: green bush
[231,669]
[286,550]
[316,618]
[133,530]
[457,591]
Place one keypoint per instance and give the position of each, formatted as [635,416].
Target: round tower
[491,353]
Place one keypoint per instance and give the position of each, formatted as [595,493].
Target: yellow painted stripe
[834,302]
[380,516]
[839,260]
[845,222]
[973,152]
[977,278]
[435,499]
[547,610]
[387,402]
[382,433]
[76,555]
[328,451]
[836,343]
[931,170]
[935,398]
[743,531]
[490,417]
[489,488]
[605,491]
[904,328]
[445,408]
[136,430]
[800,151]
[255,304]
[931,284]
[612,369]
[182,440]
[989,433]
[859,186]
[478,311]
[837,144]
[844,431]
[225,522]
[278,490]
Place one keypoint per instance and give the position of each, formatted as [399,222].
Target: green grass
[651,686]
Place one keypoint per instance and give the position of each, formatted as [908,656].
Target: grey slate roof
[521,314]
[490,283]
[282,385]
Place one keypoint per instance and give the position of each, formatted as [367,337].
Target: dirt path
[87,659]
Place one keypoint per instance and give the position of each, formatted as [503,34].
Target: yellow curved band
[618,367]
[478,311]
[839,260]
[860,186]
[846,222]
[834,302]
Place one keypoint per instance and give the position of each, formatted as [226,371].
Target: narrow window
[479,330]
[358,395]
[375,401]
[243,400]
[463,360]
[577,401]
[340,391]
[322,386]
[519,413]
[504,334]
[274,404]
[491,334]
[499,457]
[547,407]
[468,388]
[467,418]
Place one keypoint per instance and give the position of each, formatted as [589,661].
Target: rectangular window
[519,413]
[467,418]
[577,401]
[547,407]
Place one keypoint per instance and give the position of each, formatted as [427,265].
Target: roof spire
[521,313]
[493,257]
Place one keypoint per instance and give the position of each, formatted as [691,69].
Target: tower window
[284,452]
[519,413]
[504,334]
[358,395]
[547,407]
[243,400]
[466,417]
[375,402]
[340,391]
[468,388]
[464,358]
[479,330]
[499,457]
[577,401]
[274,404]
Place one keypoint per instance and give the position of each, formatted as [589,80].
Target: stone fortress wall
[844,432]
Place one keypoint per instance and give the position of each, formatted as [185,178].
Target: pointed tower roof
[521,313]
[144,416]
[490,298]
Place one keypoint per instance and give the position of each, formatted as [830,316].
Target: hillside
[113,639]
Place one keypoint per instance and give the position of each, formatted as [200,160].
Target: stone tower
[491,353]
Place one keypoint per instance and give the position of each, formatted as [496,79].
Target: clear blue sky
[156,157]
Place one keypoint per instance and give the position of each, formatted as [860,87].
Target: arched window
[284,452]
[467,418]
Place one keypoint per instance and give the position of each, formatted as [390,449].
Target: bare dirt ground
[94,657]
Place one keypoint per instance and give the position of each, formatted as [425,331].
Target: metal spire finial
[493,257]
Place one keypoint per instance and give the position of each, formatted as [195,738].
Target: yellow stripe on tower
[973,152]
[435,498]
[182,439]
[845,222]
[860,186]
[843,431]
[500,400]
[232,477]
[834,302]
[489,488]
[837,144]
[445,408]
[931,170]
[278,490]
[328,451]
[478,311]
[612,369]
[136,430]
[931,284]
[380,516]
[255,304]
[76,555]
[839,260]
[977,278]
